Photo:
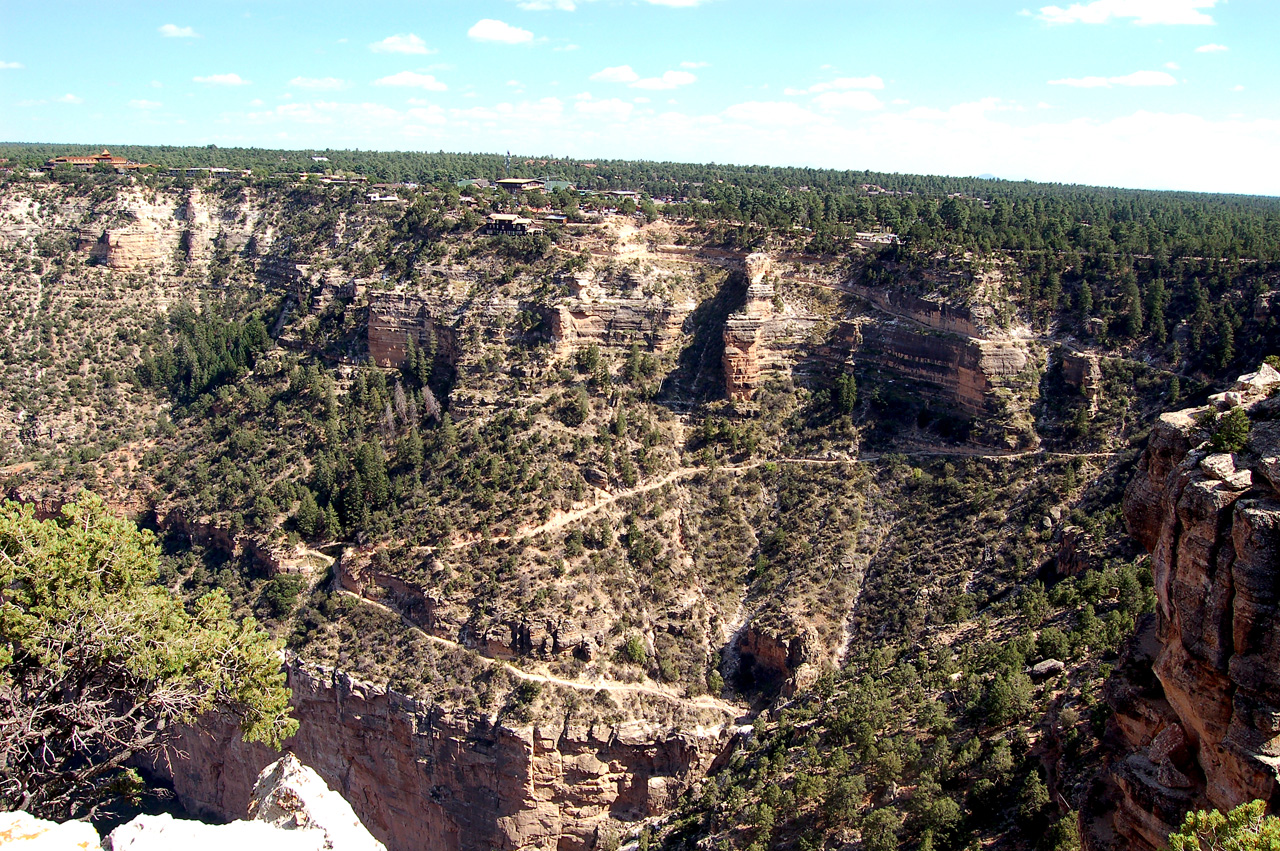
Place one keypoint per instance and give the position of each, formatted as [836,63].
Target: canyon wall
[590,317]
[1196,700]
[765,336]
[395,318]
[422,779]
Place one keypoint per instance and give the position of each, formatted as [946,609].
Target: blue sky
[1176,94]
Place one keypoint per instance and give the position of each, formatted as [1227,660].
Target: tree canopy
[1245,828]
[98,662]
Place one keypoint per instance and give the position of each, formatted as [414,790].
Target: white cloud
[1212,48]
[256,102]
[694,66]
[545,5]
[1173,66]
[626,74]
[401,43]
[617,74]
[775,113]
[319,84]
[844,83]
[1136,79]
[1142,12]
[612,109]
[862,101]
[1238,89]
[430,114]
[668,80]
[9,66]
[413,79]
[540,115]
[175,31]
[489,29]
[145,104]
[222,80]
[69,98]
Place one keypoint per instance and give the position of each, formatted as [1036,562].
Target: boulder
[1262,382]
[164,832]
[1223,468]
[291,810]
[24,832]
[1047,668]
[290,796]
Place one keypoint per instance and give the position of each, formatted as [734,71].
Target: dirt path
[606,498]
[704,701]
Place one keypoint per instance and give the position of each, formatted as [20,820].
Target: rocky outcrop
[290,810]
[935,314]
[760,338]
[273,559]
[590,317]
[994,381]
[396,318]
[1198,715]
[23,832]
[290,796]
[125,249]
[1083,371]
[502,635]
[772,657]
[423,779]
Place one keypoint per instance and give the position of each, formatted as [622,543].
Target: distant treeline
[969,213]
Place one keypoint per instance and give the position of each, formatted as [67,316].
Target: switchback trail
[704,701]
[606,498]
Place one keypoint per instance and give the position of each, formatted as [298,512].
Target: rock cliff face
[125,249]
[759,338]
[590,317]
[395,318]
[1083,371]
[1197,705]
[424,780]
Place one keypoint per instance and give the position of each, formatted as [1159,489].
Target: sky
[1158,94]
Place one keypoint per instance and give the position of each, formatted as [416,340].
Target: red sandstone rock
[1209,733]
[422,779]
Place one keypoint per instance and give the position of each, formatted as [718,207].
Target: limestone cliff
[125,249]
[397,317]
[1197,702]
[762,337]
[590,316]
[422,779]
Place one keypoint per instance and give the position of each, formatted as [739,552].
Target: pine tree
[308,516]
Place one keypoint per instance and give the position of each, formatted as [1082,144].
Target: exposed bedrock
[1200,722]
[124,249]
[422,779]
[615,322]
[397,318]
[765,336]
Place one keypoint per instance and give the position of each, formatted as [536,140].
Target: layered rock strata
[589,316]
[125,249]
[1197,707]
[397,318]
[422,779]
[760,339]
